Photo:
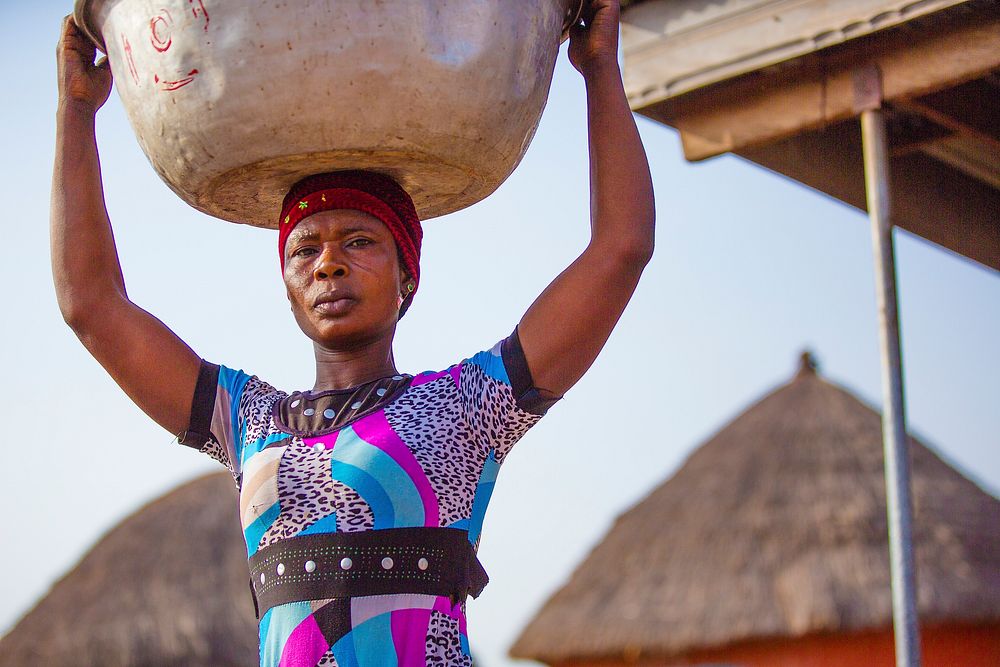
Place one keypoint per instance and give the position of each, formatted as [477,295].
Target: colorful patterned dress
[400,452]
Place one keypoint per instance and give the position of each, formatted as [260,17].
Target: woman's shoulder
[239,384]
[247,397]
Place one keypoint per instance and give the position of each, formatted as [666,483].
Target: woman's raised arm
[565,328]
[154,367]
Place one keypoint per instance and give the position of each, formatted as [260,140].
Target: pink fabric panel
[429,377]
[409,636]
[305,646]
[328,440]
[443,606]
[375,430]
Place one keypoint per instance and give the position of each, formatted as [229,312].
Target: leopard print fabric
[217,452]
[444,645]
[255,410]
[307,493]
[491,411]
[430,420]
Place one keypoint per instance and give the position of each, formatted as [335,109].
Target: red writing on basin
[199,11]
[160,28]
[130,59]
[177,83]
[161,34]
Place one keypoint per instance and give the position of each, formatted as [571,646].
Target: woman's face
[343,278]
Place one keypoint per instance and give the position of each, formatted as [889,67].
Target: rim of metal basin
[80,14]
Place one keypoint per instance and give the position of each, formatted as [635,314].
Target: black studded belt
[434,561]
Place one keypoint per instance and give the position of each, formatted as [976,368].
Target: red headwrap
[367,191]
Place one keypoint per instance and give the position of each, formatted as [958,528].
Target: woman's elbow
[76,316]
[642,253]
[637,251]
[626,260]
[83,315]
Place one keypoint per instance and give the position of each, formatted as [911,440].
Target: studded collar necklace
[308,413]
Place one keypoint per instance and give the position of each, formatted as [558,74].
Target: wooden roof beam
[928,199]
[965,153]
[817,90]
[963,149]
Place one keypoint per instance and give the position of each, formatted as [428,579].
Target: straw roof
[167,587]
[774,528]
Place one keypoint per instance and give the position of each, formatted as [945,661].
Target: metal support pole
[895,443]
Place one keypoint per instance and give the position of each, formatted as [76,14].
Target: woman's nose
[329,265]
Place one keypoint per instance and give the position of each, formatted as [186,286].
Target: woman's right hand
[82,82]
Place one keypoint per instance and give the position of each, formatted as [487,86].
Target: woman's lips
[334,305]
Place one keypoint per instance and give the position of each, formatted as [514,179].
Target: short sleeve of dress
[227,404]
[499,397]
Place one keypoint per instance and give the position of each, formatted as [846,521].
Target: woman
[362,499]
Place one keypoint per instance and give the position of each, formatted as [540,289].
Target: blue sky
[750,269]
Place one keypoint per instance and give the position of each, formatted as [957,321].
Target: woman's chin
[348,330]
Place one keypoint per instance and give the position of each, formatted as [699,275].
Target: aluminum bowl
[235,100]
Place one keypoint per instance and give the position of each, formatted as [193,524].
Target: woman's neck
[341,369]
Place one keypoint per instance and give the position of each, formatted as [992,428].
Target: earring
[410,287]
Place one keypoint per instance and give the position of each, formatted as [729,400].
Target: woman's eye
[304,252]
[359,242]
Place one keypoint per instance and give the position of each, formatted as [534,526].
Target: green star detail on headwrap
[288,219]
[303,205]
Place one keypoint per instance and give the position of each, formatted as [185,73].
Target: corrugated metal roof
[672,47]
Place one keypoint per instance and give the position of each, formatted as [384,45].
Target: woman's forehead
[338,221]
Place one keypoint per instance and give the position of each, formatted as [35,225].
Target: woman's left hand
[595,40]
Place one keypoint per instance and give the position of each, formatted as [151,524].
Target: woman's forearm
[622,208]
[85,264]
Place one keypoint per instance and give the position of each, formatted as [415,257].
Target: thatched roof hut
[167,587]
[774,532]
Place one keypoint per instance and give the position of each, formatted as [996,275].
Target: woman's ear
[406,284]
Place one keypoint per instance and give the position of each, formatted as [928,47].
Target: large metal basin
[235,100]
